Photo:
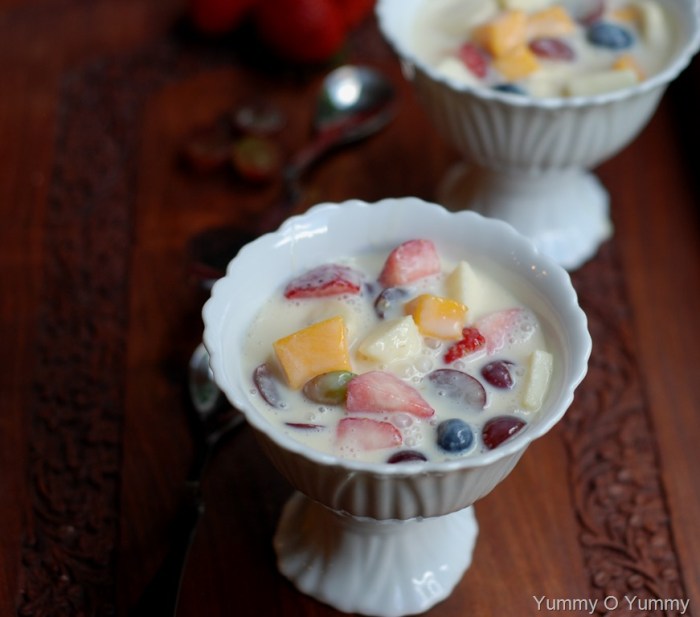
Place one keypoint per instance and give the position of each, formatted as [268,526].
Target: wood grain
[100,312]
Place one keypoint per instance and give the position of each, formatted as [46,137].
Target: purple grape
[498,374]
[386,300]
[266,384]
[552,49]
[305,426]
[499,429]
[459,386]
[406,456]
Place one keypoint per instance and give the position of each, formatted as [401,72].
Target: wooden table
[99,313]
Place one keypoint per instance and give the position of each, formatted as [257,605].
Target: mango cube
[438,317]
[627,62]
[517,63]
[503,33]
[553,21]
[316,349]
[539,373]
[628,13]
[395,339]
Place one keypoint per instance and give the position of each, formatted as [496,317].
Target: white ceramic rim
[660,79]
[517,242]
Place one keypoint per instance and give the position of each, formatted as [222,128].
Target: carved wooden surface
[100,312]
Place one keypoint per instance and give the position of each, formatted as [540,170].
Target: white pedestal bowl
[381,539]
[527,160]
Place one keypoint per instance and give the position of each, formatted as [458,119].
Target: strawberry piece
[410,261]
[354,11]
[472,340]
[325,280]
[506,327]
[367,434]
[474,58]
[300,30]
[381,392]
[218,16]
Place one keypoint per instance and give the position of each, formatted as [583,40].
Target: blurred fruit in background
[218,16]
[304,31]
[301,30]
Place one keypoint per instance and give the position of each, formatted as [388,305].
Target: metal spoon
[353,103]
[214,420]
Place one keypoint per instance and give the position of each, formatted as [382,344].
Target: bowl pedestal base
[372,567]
[564,212]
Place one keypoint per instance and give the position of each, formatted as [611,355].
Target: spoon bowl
[357,97]
[354,102]
[206,397]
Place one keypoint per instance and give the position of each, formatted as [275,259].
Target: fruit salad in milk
[546,48]
[400,356]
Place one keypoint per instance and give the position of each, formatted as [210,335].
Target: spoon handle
[162,594]
[332,134]
[307,157]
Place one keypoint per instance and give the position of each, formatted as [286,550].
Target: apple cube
[543,86]
[318,348]
[503,33]
[650,18]
[553,21]
[395,339]
[462,285]
[452,68]
[653,23]
[438,317]
[539,373]
[517,63]
[354,315]
[524,5]
[601,81]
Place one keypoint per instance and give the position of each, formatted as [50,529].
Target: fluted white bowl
[530,155]
[327,231]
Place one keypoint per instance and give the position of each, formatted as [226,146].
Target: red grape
[499,429]
[552,49]
[498,374]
